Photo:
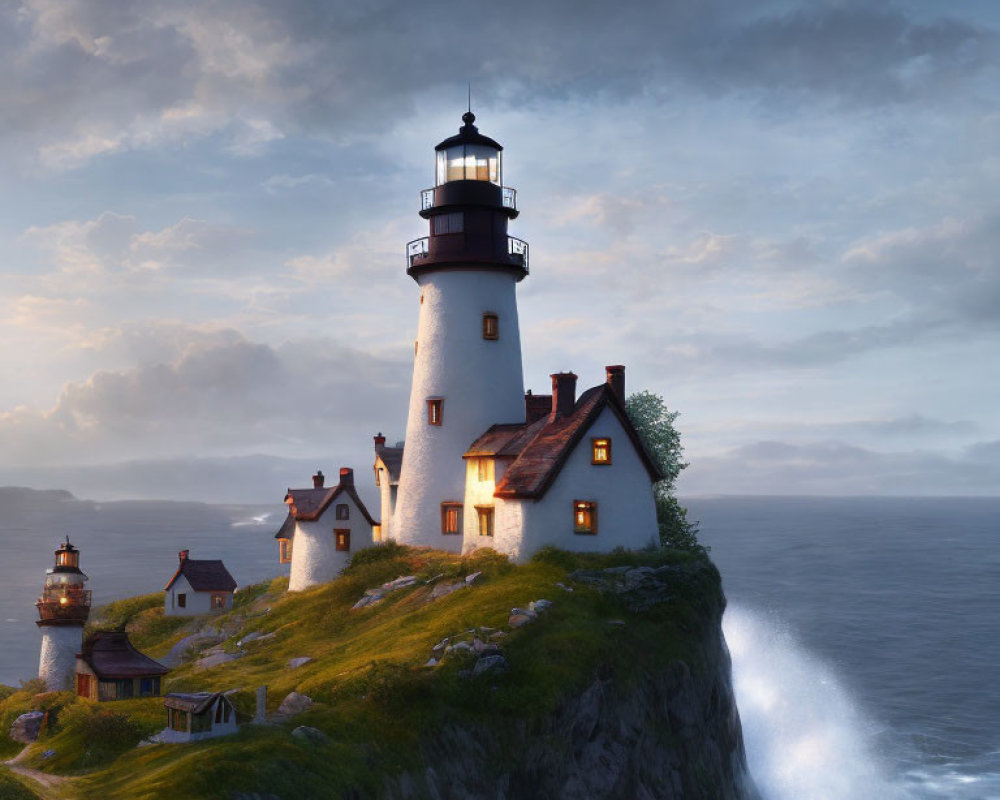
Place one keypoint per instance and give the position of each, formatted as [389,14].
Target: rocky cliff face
[671,731]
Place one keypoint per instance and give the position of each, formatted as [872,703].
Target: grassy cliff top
[374,697]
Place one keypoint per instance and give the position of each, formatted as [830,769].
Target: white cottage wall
[626,512]
[57,660]
[480,493]
[315,557]
[385,502]
[194,602]
[479,381]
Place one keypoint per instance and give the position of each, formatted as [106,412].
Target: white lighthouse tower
[63,609]
[467,356]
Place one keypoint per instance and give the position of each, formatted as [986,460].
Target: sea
[863,632]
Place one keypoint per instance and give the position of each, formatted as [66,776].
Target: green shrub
[12,789]
[382,552]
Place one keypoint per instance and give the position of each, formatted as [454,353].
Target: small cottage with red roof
[199,586]
[324,526]
[110,668]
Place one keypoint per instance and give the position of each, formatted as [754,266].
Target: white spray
[805,740]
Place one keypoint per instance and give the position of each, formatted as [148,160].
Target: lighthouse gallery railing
[418,249]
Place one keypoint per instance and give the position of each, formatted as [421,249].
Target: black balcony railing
[508,197]
[64,604]
[518,248]
[416,250]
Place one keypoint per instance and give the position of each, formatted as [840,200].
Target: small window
[218,601]
[451,518]
[434,411]
[182,600]
[343,511]
[600,451]
[416,345]
[376,533]
[491,326]
[284,551]
[584,517]
[343,538]
[485,514]
[484,469]
[449,223]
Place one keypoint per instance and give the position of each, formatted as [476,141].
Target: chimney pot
[182,555]
[318,479]
[616,380]
[563,393]
[379,439]
[346,476]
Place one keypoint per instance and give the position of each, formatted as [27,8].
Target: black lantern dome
[468,210]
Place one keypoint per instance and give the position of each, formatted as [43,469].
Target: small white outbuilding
[195,716]
[199,586]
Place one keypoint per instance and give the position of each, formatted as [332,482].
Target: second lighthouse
[467,372]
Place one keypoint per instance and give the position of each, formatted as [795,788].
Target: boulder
[472,578]
[310,735]
[491,664]
[26,727]
[294,703]
[538,605]
[443,589]
[295,663]
[517,620]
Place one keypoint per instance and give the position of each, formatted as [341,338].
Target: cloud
[224,395]
[104,78]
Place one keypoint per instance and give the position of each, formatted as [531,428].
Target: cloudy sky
[782,215]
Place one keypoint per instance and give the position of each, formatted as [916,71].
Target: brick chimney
[616,380]
[318,479]
[182,556]
[563,393]
[536,406]
[346,476]
[379,439]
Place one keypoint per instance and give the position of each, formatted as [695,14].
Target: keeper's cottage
[485,464]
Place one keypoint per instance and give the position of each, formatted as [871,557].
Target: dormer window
[600,449]
[434,410]
[491,326]
[484,469]
[343,511]
[585,517]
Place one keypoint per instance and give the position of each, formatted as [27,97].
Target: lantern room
[468,156]
[64,600]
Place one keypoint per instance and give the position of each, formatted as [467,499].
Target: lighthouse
[63,609]
[467,372]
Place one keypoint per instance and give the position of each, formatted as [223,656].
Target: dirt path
[47,785]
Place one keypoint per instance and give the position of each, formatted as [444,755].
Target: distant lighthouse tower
[467,364]
[63,609]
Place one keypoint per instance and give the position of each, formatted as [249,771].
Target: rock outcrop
[672,734]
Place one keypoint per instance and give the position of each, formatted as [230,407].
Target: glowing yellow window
[485,514]
[484,469]
[600,451]
[343,539]
[584,517]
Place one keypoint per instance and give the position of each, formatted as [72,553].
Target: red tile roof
[204,575]
[308,505]
[540,448]
[111,655]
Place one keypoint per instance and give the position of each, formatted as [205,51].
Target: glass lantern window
[468,162]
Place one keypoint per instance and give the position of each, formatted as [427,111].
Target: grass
[11,788]
[373,697]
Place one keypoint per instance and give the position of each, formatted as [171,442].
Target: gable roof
[287,528]
[110,654]
[392,460]
[308,505]
[540,448]
[204,575]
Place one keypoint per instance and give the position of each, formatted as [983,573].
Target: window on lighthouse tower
[491,326]
[434,410]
